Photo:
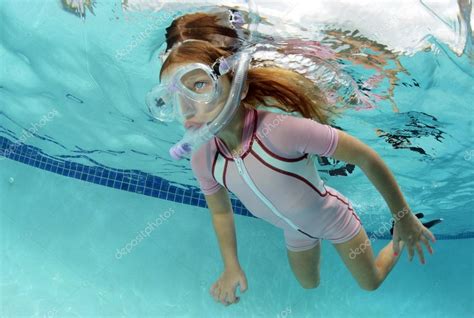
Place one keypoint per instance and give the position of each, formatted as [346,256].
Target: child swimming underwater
[265,159]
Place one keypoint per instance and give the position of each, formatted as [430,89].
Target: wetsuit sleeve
[202,171]
[316,138]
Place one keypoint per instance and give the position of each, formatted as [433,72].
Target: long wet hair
[267,86]
[212,28]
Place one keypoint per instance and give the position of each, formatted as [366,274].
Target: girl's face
[196,113]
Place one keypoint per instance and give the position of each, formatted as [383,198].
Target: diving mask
[191,89]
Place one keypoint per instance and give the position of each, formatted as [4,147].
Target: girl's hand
[223,289]
[412,232]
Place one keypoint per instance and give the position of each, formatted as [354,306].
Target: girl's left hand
[412,232]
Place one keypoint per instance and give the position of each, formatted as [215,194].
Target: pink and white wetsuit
[276,179]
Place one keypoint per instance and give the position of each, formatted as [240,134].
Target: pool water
[97,221]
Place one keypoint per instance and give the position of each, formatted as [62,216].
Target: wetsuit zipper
[243,172]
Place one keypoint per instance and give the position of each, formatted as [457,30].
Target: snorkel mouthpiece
[179,151]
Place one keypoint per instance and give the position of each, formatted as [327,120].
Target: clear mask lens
[192,90]
[160,104]
[198,85]
[186,108]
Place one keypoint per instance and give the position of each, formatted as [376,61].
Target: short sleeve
[289,136]
[317,138]
[201,164]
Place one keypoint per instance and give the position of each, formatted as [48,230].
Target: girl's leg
[357,254]
[305,266]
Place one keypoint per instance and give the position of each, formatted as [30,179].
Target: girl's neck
[231,135]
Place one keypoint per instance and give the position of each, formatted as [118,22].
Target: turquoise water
[94,173]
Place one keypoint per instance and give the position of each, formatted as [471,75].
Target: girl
[267,161]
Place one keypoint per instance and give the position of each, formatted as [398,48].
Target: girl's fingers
[410,250]
[420,252]
[217,294]
[427,244]
[396,243]
[223,299]
[230,298]
[430,235]
[213,290]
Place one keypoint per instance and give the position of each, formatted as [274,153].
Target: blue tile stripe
[129,180]
[133,180]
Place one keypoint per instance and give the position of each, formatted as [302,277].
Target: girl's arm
[224,289]
[410,229]
[352,150]
[223,221]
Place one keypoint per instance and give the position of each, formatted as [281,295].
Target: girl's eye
[199,85]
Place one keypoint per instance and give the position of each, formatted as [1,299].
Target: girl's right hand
[223,289]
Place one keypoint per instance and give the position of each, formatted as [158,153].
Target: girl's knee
[370,286]
[310,285]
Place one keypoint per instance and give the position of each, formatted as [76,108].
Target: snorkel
[194,138]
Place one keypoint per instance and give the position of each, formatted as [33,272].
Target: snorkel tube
[194,138]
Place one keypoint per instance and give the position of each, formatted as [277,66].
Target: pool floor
[60,257]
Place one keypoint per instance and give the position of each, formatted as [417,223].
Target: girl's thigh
[306,265]
[358,256]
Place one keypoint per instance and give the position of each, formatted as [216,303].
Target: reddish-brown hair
[203,26]
[268,86]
